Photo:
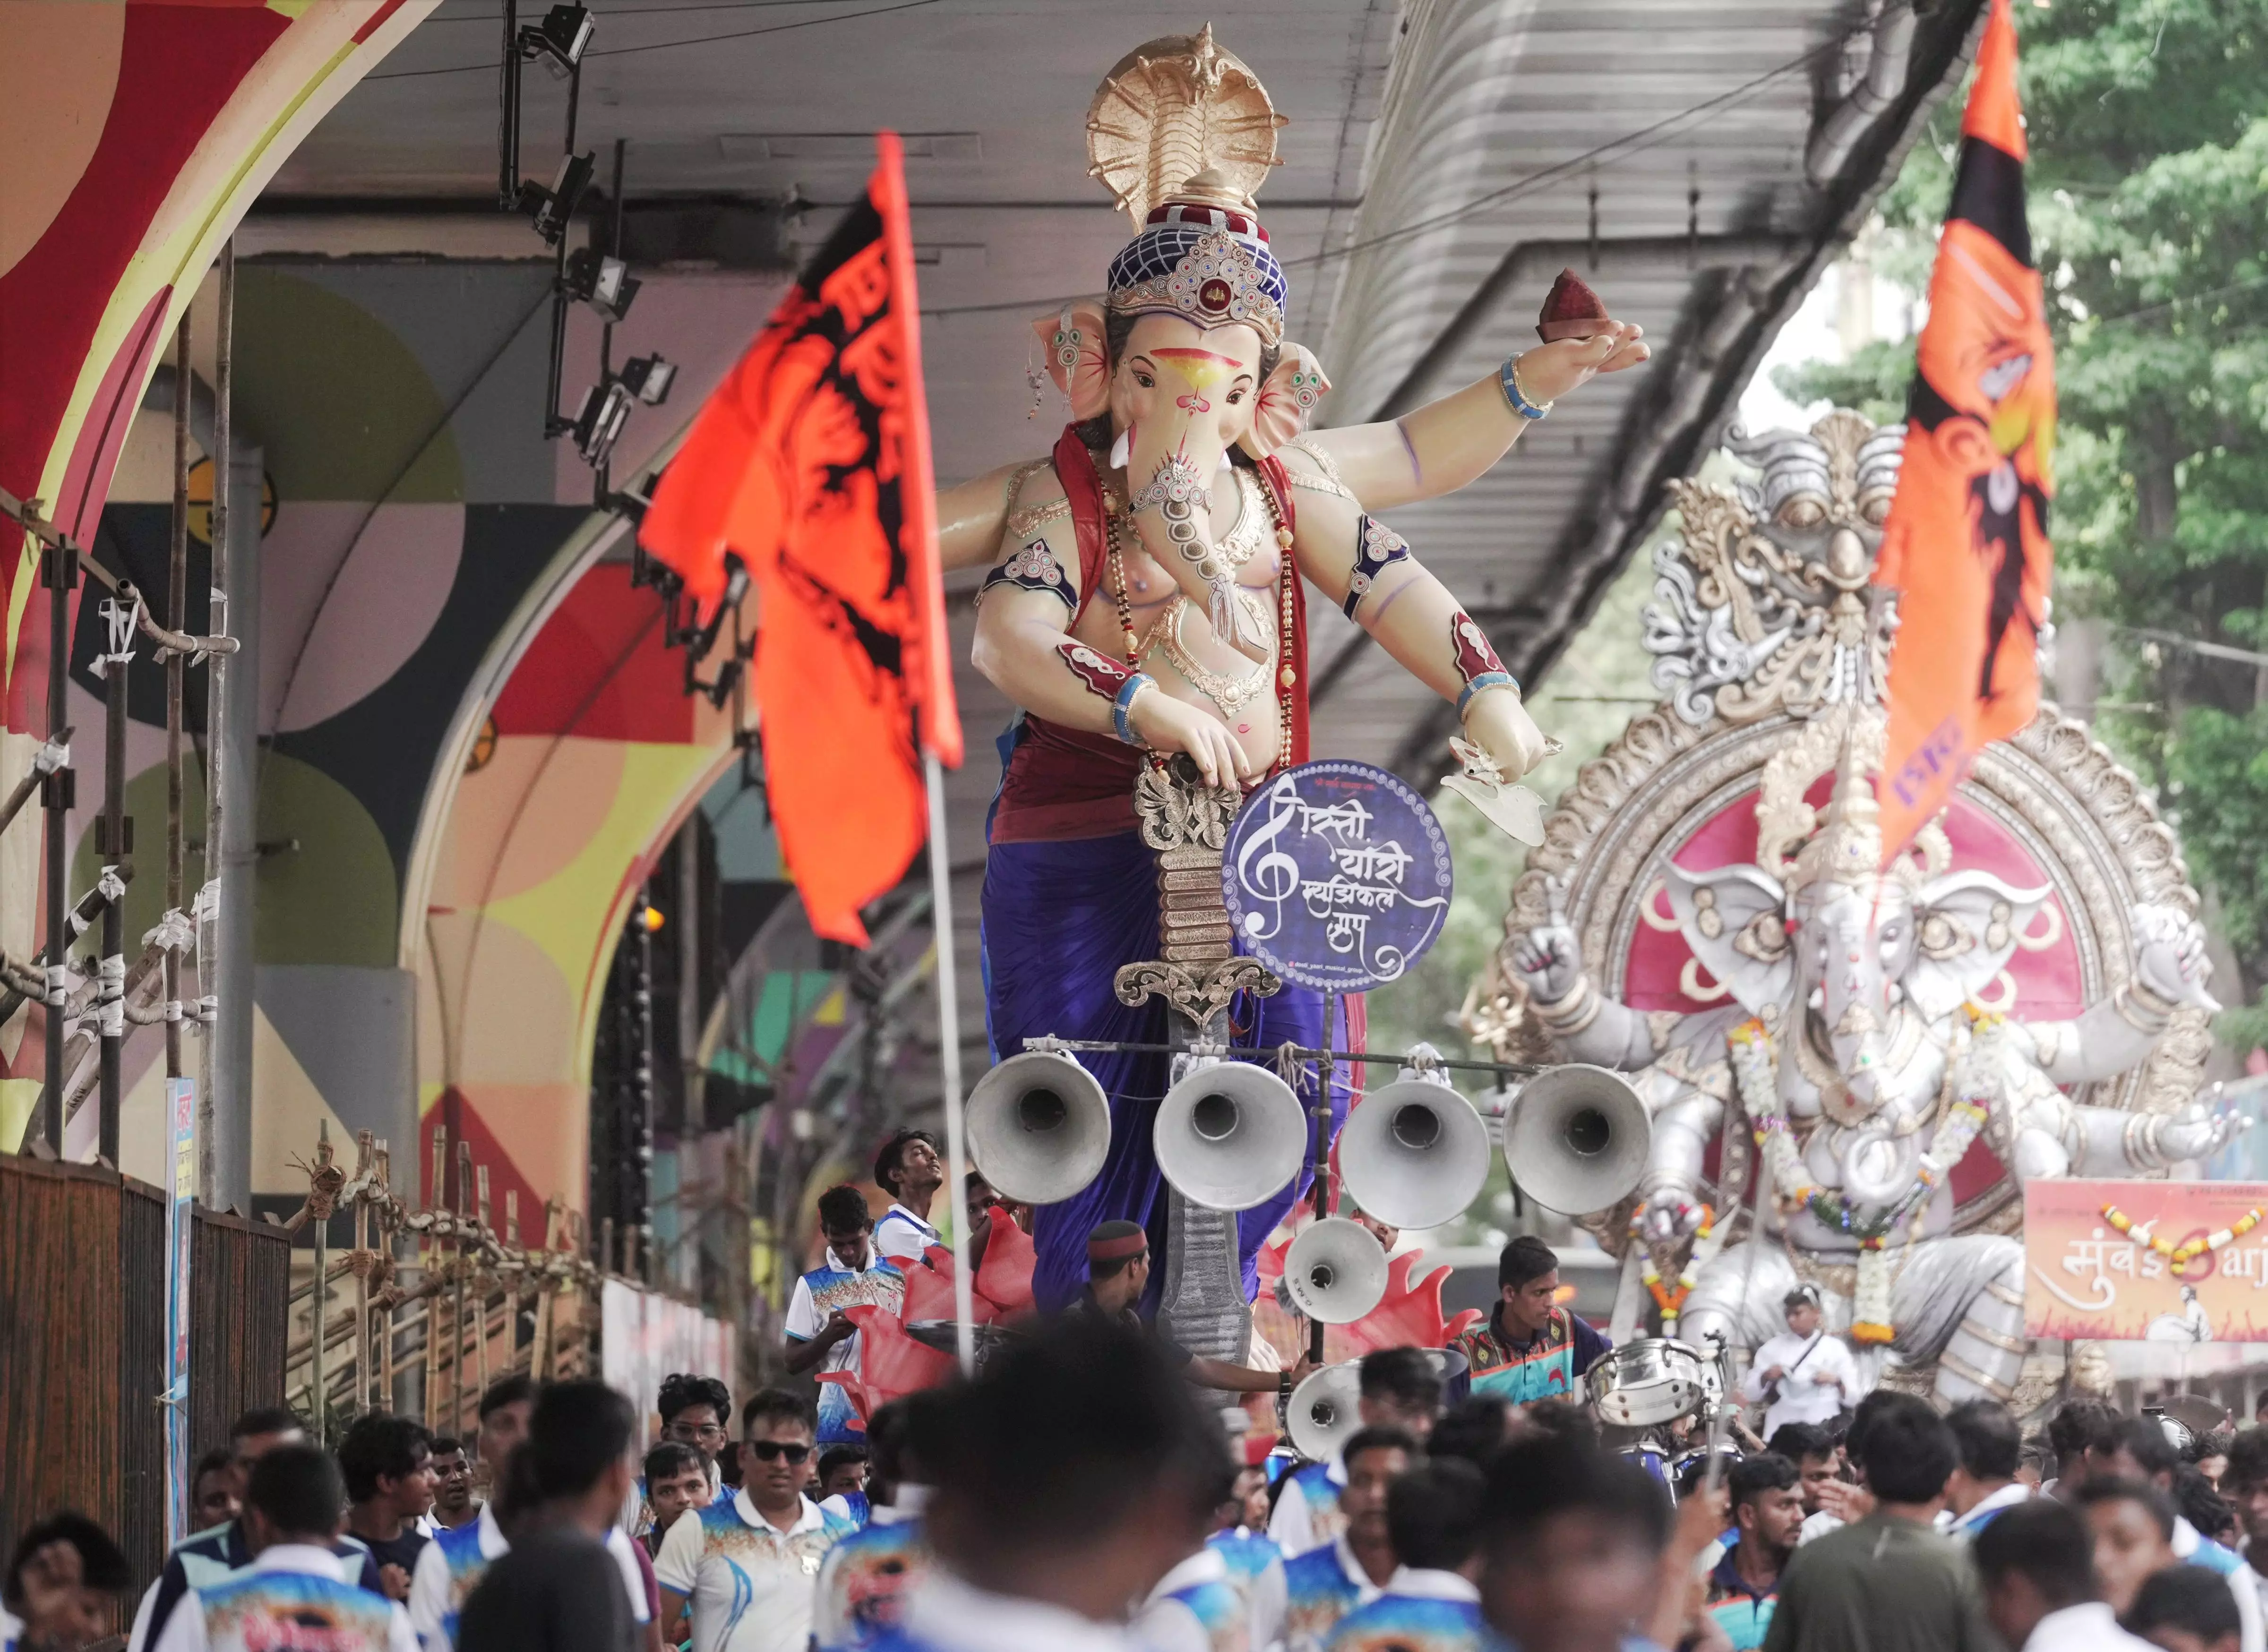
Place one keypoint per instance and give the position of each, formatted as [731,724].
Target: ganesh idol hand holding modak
[1149,582]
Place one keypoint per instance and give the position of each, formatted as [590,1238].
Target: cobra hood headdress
[1182,134]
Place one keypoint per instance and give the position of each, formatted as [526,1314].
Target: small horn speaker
[1039,1127]
[1229,1133]
[1414,1154]
[1325,1410]
[1578,1138]
[1335,1270]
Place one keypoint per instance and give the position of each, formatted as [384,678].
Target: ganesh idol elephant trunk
[1176,448]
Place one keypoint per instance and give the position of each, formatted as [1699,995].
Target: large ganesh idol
[1149,583]
[2023,995]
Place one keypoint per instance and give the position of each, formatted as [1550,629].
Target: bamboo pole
[463,1207]
[364,1364]
[433,1262]
[539,1348]
[319,1302]
[383,1170]
[480,1176]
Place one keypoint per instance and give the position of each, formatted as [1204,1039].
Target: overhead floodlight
[552,208]
[561,38]
[599,422]
[603,283]
[649,378]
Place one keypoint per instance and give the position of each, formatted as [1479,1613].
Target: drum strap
[1817,1338]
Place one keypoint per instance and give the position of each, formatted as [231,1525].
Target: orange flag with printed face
[810,464]
[1966,545]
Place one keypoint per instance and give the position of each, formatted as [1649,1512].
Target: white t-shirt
[902,1237]
[1801,1398]
[753,1586]
[2087,1627]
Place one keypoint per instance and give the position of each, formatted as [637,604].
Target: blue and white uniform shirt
[1322,1587]
[1256,1566]
[902,1236]
[829,1289]
[1422,1611]
[752,1586]
[1307,1513]
[1196,1607]
[865,1578]
[215,1555]
[451,1566]
[294,1597]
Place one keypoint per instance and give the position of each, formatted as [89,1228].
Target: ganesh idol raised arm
[1148,588]
[1866,1025]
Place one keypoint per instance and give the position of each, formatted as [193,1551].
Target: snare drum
[1647,1383]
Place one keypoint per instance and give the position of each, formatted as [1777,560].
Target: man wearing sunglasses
[746,1567]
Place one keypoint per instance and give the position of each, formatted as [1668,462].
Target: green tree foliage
[2148,127]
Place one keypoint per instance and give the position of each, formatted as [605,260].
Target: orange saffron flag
[1966,545]
[810,468]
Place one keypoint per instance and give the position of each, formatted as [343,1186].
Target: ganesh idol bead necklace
[1237,547]
[1118,523]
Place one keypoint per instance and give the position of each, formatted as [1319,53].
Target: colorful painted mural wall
[473,740]
[137,135]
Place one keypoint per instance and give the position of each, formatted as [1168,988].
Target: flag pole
[949,1046]
[939,717]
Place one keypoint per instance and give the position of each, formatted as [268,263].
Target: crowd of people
[1080,1494]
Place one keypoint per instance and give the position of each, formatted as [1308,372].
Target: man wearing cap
[1117,1270]
[1804,1373]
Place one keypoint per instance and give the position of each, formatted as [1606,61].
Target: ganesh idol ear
[1072,339]
[1287,401]
[1967,925]
[1731,917]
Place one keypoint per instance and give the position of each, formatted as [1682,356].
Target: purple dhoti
[1060,919]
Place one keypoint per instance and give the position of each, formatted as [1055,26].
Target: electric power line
[1636,143]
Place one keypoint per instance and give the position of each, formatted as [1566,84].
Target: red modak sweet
[1571,310]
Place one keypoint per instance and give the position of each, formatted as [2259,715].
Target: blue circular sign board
[1337,876]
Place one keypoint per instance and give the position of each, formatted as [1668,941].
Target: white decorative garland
[1974,1079]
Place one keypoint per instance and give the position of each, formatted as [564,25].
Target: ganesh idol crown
[1146,599]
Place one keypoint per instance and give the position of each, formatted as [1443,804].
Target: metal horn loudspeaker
[1039,1127]
[1336,1271]
[1414,1154]
[1325,1410]
[1229,1133]
[1578,1138]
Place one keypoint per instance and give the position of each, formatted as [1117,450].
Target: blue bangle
[1486,680]
[1122,706]
[1508,376]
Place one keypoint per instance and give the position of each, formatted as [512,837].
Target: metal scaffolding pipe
[210,1060]
[61,569]
[177,596]
[224,1128]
